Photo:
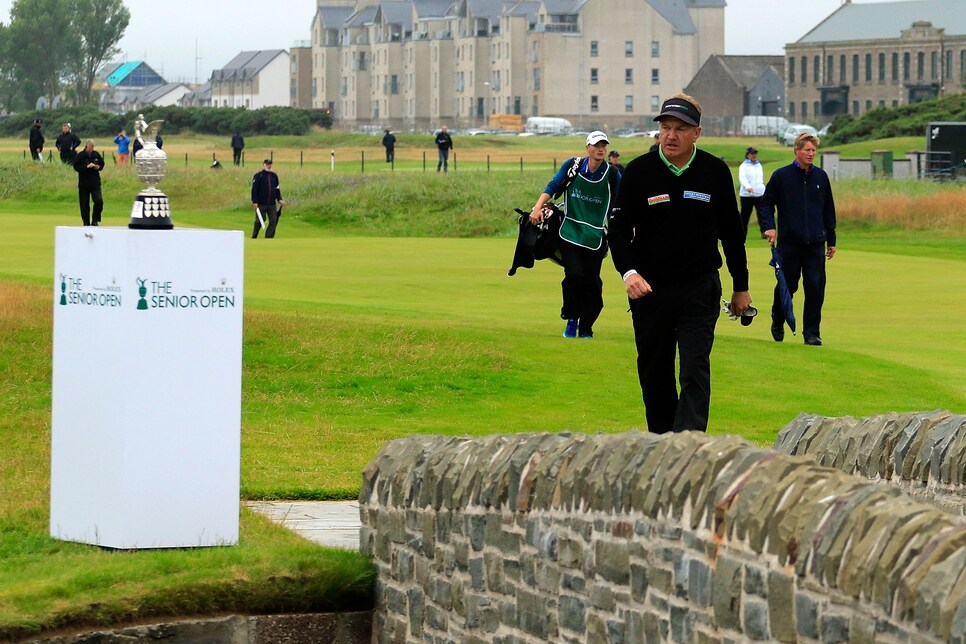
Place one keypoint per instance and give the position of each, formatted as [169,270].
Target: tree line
[53,49]
[88,121]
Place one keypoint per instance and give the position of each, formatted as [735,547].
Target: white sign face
[146,404]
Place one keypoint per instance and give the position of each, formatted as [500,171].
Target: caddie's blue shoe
[571,330]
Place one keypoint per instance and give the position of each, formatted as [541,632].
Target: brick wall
[636,537]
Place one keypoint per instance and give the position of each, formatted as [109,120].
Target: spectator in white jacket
[752,180]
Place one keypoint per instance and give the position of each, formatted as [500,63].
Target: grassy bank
[383,309]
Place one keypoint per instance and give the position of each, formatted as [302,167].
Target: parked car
[792,132]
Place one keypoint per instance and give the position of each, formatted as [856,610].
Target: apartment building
[419,64]
[872,55]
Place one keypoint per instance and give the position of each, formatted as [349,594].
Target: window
[394,84]
[655,104]
[906,64]
[920,65]
[830,69]
[804,110]
[628,48]
[934,65]
[655,49]
[655,77]
[895,67]
[628,76]
[868,105]
[593,48]
[628,103]
[536,78]
[791,110]
[816,108]
[842,69]
[791,71]
[949,64]
[593,75]
[816,71]
[855,68]
[804,70]
[868,68]
[593,104]
[855,108]
[882,68]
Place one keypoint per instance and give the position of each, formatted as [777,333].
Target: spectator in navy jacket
[805,234]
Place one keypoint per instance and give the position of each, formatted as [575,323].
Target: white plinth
[146,402]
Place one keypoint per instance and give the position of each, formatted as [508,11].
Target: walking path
[329,523]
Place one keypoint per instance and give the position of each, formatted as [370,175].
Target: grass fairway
[353,338]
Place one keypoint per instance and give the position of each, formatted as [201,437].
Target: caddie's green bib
[587,205]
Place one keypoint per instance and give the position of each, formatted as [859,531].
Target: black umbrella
[781,289]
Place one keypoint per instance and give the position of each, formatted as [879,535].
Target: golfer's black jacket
[667,227]
[265,188]
[805,206]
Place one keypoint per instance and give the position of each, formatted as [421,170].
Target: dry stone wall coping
[570,536]
[922,453]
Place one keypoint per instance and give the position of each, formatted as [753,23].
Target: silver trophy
[151,208]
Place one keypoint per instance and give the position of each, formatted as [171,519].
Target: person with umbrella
[801,194]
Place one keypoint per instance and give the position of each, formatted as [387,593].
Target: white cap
[596,137]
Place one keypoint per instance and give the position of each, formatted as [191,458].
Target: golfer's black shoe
[777,331]
[813,340]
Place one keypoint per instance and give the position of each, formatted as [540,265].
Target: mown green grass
[383,309]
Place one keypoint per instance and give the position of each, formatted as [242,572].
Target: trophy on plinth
[151,209]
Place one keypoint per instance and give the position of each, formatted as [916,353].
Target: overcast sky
[185,39]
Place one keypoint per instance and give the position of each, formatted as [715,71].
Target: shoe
[813,340]
[586,335]
[571,330]
[777,331]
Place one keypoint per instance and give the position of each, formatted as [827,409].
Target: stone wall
[636,537]
[922,453]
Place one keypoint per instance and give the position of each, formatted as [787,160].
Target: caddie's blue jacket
[805,206]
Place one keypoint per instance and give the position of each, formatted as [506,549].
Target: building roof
[333,17]
[364,16]
[396,13]
[247,64]
[676,13]
[886,20]
[431,8]
[156,92]
[746,70]
[133,73]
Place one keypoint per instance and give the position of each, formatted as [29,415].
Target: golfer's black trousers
[747,205]
[85,195]
[805,261]
[677,319]
[582,287]
[270,213]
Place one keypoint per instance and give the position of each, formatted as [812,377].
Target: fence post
[424,161]
[332,162]
[363,162]
[521,165]
[454,160]
[488,163]
[301,158]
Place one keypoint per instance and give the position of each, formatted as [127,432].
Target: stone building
[300,91]
[418,64]
[872,55]
[732,87]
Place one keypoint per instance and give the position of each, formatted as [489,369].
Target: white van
[548,125]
